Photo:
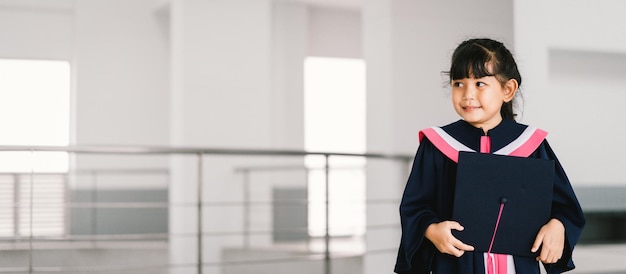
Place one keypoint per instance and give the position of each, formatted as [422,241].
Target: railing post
[94,207]
[246,207]
[326,208]
[32,212]
[200,213]
[308,203]
[16,205]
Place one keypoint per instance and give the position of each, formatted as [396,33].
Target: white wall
[118,57]
[36,29]
[335,33]
[120,54]
[568,57]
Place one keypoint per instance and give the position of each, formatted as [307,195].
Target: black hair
[477,58]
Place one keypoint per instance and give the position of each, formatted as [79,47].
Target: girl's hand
[551,238]
[440,234]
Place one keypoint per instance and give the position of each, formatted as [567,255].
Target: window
[34,111]
[335,122]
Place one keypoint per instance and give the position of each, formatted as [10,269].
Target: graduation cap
[502,201]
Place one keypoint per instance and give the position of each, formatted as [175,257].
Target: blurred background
[274,136]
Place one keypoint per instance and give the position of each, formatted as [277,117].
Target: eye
[457,84]
[480,84]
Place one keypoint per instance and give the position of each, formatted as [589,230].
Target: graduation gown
[429,194]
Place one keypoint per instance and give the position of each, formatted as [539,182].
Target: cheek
[494,103]
[456,97]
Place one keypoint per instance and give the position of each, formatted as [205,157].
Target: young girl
[484,79]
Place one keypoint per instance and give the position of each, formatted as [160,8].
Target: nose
[469,93]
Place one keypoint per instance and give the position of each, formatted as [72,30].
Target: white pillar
[383,180]
[289,48]
[221,97]
[236,83]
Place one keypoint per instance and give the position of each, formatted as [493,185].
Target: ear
[510,89]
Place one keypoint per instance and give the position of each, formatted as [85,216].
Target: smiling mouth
[470,108]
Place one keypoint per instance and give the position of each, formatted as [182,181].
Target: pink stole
[496,263]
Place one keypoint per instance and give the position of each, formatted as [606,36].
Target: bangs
[473,61]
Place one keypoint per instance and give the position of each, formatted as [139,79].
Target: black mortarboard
[487,182]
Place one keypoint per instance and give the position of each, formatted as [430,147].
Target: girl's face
[478,100]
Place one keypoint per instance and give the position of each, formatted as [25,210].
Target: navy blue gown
[429,193]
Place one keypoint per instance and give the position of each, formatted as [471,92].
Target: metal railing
[200,205]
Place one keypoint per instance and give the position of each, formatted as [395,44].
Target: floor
[589,259]
[600,259]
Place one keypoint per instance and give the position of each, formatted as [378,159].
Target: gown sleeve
[417,212]
[565,208]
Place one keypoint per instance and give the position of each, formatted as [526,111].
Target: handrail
[195,150]
[200,152]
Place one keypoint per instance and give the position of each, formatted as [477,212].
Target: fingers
[455,251]
[440,234]
[455,225]
[537,243]
[457,248]
[463,246]
[549,256]
[550,253]
[551,238]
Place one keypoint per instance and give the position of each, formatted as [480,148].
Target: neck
[486,126]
